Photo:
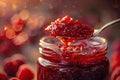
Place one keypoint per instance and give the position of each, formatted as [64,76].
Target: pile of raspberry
[115,61]
[16,68]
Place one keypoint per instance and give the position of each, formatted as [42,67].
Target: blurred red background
[22,23]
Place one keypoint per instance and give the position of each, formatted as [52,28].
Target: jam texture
[96,71]
[67,27]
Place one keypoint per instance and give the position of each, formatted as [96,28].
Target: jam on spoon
[68,30]
[67,27]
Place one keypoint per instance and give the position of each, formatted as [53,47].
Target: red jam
[67,27]
[76,55]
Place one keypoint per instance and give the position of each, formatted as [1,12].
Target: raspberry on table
[11,65]
[116,45]
[20,59]
[67,27]
[115,73]
[3,76]
[115,60]
[25,72]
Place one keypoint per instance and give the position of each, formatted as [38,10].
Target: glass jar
[82,60]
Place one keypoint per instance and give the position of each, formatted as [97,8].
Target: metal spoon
[97,31]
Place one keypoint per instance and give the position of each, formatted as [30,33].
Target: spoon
[97,31]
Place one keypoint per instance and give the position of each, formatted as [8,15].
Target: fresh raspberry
[10,67]
[14,78]
[20,59]
[115,73]
[116,45]
[115,60]
[67,27]
[12,64]
[3,76]
[118,78]
[25,72]
[18,25]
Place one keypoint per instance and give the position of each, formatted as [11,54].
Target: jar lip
[85,47]
[102,41]
[49,45]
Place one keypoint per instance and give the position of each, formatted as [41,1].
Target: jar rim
[94,45]
[102,41]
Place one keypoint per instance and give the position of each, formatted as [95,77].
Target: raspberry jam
[68,27]
[81,60]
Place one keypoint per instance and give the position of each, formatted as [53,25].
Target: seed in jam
[67,27]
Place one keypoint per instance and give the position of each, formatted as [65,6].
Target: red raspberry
[115,60]
[3,76]
[20,59]
[25,72]
[14,78]
[12,64]
[18,25]
[116,73]
[10,67]
[116,45]
[67,27]
[118,78]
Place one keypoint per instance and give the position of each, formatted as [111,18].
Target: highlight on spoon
[97,31]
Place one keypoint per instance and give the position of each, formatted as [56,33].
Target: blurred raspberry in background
[22,23]
[115,60]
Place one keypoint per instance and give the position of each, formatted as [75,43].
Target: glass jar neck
[79,51]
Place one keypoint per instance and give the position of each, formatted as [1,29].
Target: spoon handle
[105,26]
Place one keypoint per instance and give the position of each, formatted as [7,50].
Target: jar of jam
[81,60]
